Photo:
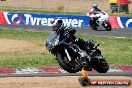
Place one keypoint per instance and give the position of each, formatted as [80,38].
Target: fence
[57,5]
[81,6]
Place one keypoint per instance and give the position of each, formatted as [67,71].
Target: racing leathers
[66,32]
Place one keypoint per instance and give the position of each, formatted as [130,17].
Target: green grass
[26,60]
[116,51]
[39,60]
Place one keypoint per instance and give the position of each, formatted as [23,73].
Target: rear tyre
[108,27]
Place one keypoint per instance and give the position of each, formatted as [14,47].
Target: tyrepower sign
[42,19]
[69,20]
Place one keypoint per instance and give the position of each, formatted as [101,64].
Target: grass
[116,51]
[25,60]
[36,10]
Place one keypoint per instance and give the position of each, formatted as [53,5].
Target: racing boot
[84,80]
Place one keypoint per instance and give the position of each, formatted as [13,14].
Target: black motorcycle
[69,54]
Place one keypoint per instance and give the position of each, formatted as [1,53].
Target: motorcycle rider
[62,30]
[94,10]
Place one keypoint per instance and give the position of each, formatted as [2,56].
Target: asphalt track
[119,33]
[129,74]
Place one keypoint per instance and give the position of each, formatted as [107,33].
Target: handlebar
[96,46]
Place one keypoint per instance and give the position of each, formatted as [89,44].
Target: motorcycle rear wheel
[108,27]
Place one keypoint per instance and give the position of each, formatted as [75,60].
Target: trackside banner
[42,19]
[69,20]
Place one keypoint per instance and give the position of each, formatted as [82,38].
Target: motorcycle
[100,20]
[69,54]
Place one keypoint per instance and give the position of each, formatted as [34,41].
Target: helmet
[94,5]
[57,24]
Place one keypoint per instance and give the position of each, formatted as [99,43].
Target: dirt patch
[11,46]
[53,82]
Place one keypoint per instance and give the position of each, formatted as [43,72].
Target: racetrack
[114,33]
[53,82]
[62,81]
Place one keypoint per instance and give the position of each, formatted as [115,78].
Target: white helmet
[94,5]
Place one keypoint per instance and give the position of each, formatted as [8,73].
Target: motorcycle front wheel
[69,66]
[100,64]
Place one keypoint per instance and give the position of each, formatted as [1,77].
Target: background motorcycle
[67,53]
[100,20]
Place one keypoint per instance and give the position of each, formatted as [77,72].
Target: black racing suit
[64,31]
[80,42]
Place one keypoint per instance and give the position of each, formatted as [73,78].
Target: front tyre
[100,64]
[66,65]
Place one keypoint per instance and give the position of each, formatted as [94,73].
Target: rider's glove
[76,40]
